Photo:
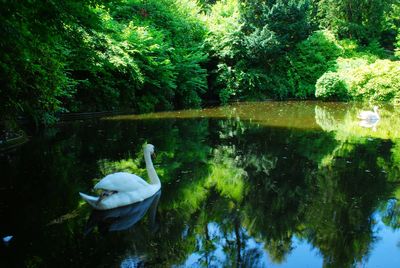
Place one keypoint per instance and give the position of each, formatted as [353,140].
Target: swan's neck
[150,169]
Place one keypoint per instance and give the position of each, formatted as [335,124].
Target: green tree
[34,58]
[355,19]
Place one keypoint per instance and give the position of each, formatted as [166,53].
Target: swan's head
[149,148]
[375,109]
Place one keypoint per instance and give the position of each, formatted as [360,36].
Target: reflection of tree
[380,158]
[271,203]
[278,250]
[43,190]
[278,205]
[391,210]
[272,208]
[232,192]
[325,120]
[225,175]
[338,216]
[391,166]
[223,242]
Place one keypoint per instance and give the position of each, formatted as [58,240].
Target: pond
[271,184]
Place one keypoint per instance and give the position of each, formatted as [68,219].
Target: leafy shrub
[248,39]
[222,42]
[33,61]
[147,57]
[379,81]
[330,86]
[371,52]
[100,55]
[191,78]
[243,82]
[357,19]
[271,28]
[262,46]
[311,59]
[223,24]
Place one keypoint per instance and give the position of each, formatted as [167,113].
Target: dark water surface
[274,184]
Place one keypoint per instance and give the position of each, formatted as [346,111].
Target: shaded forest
[149,55]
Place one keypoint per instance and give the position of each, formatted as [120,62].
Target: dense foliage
[277,48]
[330,86]
[256,46]
[95,56]
[141,56]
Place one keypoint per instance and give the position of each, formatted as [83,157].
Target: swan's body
[369,115]
[122,188]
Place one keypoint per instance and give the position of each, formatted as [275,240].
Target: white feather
[121,181]
[369,115]
[129,188]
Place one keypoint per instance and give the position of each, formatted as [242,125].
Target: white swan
[369,115]
[123,188]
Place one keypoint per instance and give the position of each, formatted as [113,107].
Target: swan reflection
[369,119]
[369,124]
[122,218]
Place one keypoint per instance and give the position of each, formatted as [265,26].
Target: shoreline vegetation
[66,57]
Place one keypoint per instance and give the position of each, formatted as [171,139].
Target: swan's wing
[364,114]
[121,182]
[368,115]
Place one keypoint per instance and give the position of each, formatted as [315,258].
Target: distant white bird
[369,115]
[123,188]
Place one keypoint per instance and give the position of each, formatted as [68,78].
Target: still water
[273,184]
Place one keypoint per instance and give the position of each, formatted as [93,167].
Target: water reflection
[270,184]
[346,124]
[125,217]
[369,124]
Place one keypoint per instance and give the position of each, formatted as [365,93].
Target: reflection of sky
[385,252]
[131,262]
[214,232]
[303,254]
